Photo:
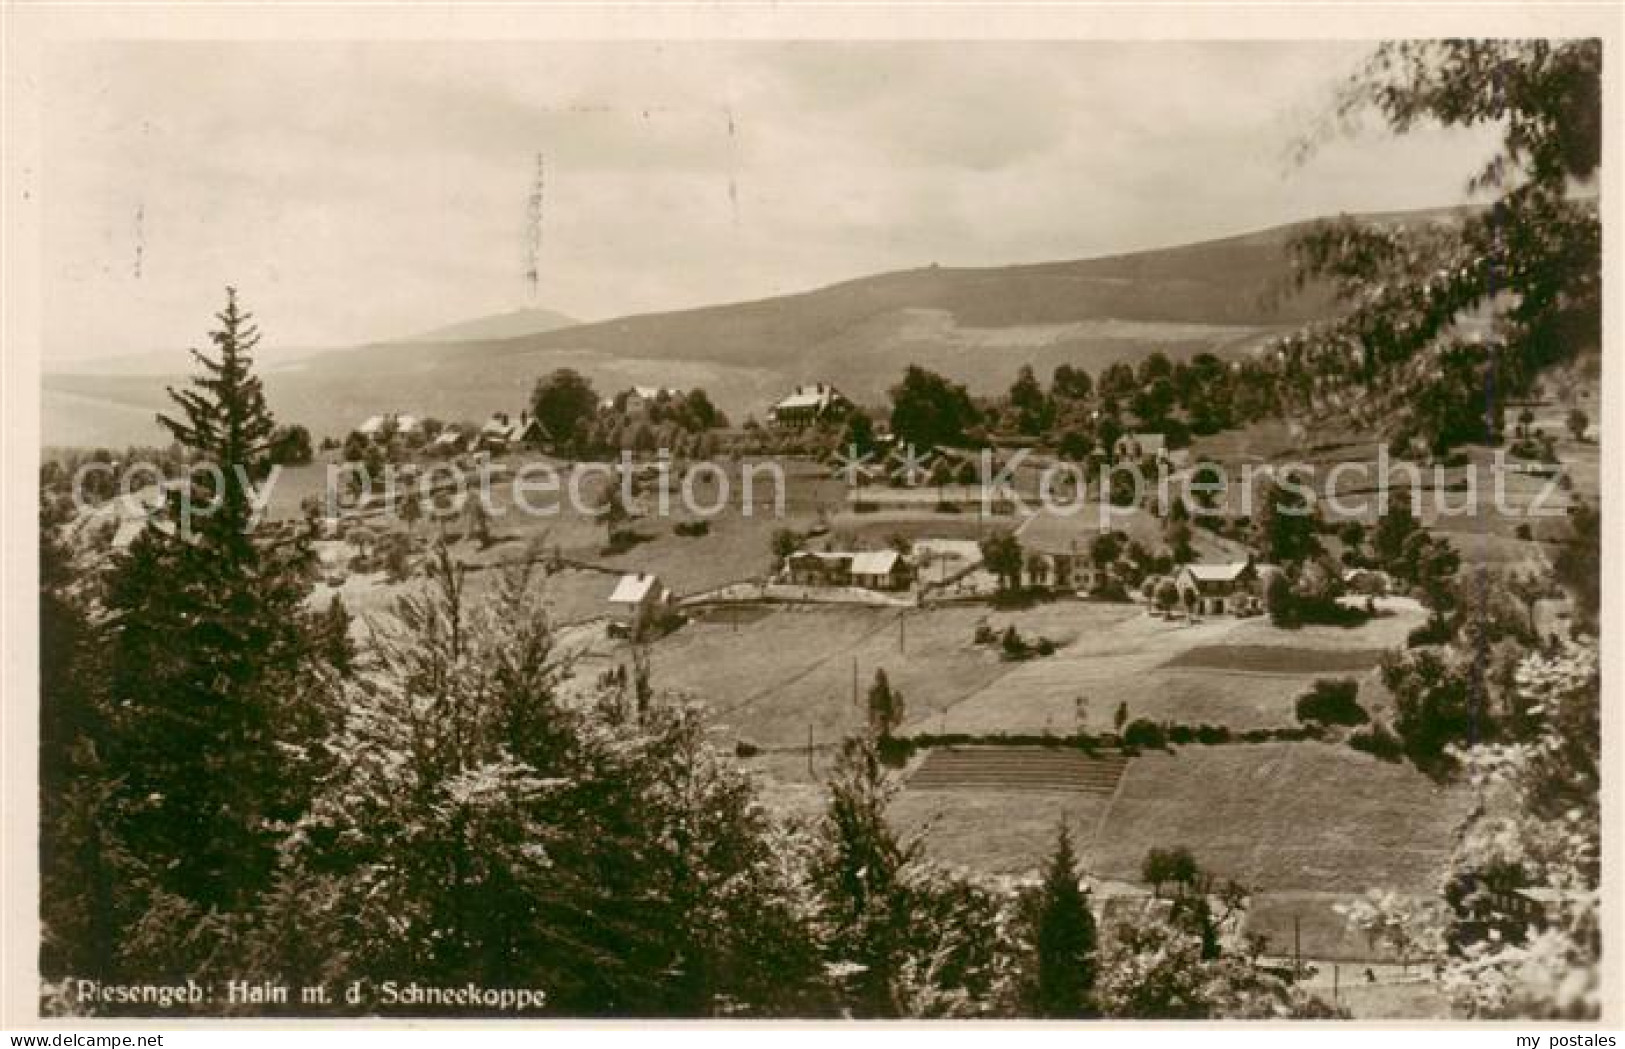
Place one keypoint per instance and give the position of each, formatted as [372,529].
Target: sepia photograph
[585,526]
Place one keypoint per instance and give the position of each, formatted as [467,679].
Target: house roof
[635,589]
[374,424]
[875,562]
[818,555]
[1225,573]
[1051,531]
[407,424]
[650,393]
[449,436]
[818,395]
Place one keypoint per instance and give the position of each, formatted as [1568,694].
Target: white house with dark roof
[390,424]
[1231,586]
[880,570]
[639,597]
[503,432]
[449,441]
[806,405]
[870,569]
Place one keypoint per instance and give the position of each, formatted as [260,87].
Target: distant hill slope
[510,325]
[975,325]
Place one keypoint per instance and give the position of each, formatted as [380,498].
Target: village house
[813,568]
[391,425]
[503,433]
[809,405]
[640,597]
[449,441]
[880,570]
[870,569]
[1066,564]
[1235,587]
[640,399]
[1063,544]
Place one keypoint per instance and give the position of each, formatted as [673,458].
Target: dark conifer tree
[1064,939]
[79,876]
[208,644]
[861,874]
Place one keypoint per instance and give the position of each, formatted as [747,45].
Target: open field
[1284,817]
[1274,659]
[1306,821]
[1310,920]
[773,678]
[999,833]
[1125,656]
[1041,769]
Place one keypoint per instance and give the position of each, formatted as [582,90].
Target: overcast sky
[356,192]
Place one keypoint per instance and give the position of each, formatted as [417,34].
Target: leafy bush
[1436,631]
[1145,734]
[1379,742]
[1332,702]
[622,540]
[1109,590]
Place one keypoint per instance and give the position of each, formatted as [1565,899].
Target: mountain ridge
[977,325]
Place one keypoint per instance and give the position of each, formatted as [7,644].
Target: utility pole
[809,748]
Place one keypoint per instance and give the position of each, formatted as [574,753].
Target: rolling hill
[977,325]
[510,325]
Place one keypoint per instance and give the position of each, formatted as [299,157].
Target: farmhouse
[449,441]
[639,598]
[807,405]
[880,570]
[871,569]
[502,432]
[1234,586]
[639,400]
[1063,562]
[812,568]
